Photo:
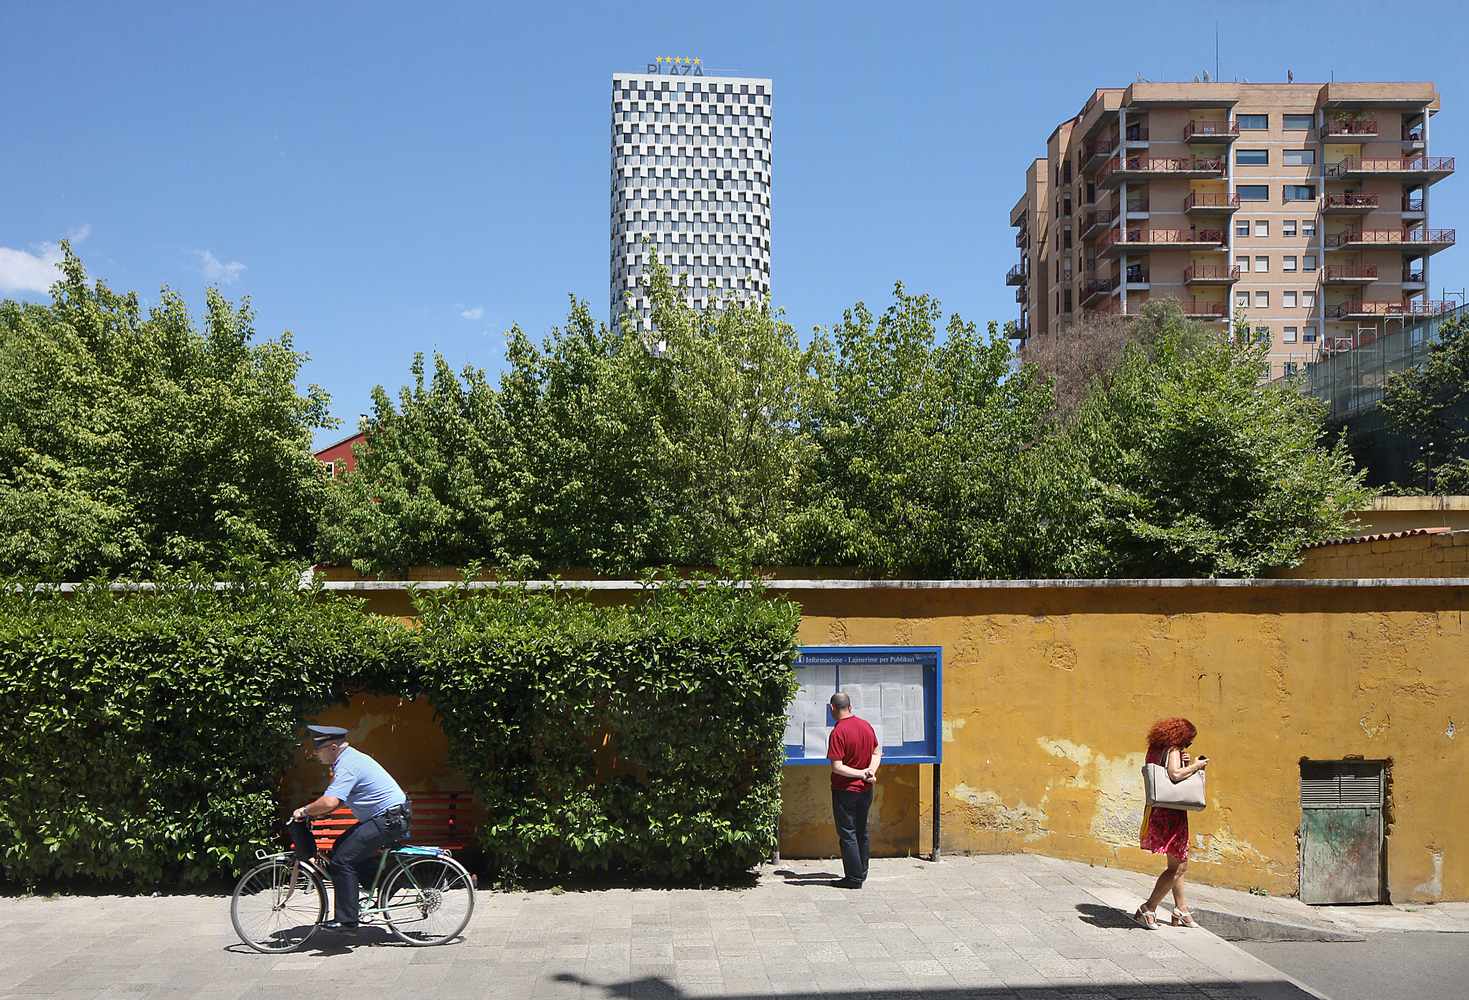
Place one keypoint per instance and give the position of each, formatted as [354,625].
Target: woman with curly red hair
[1165,831]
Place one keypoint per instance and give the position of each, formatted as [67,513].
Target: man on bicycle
[378,804]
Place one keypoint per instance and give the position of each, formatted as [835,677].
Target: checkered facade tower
[691,171]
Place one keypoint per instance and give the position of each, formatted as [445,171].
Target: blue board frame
[930,659]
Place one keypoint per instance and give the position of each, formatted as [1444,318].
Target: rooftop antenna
[1290,77]
[1216,50]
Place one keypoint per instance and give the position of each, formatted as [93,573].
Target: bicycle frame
[371,907]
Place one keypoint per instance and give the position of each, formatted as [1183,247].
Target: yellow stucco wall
[1049,688]
[1048,691]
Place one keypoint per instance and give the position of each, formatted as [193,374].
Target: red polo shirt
[853,743]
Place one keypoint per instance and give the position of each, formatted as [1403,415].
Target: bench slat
[439,820]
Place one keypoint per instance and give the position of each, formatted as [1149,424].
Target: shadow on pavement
[1106,916]
[656,986]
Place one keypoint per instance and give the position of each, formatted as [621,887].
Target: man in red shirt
[855,756]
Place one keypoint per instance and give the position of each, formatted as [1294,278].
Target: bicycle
[426,898]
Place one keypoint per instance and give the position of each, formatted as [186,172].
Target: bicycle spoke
[276,906]
[428,900]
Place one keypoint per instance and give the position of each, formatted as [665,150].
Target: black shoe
[339,925]
[846,883]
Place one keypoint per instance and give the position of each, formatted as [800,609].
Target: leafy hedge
[644,737]
[146,733]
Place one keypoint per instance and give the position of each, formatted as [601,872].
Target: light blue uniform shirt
[361,782]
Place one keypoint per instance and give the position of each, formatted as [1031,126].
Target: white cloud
[474,313]
[215,271]
[21,271]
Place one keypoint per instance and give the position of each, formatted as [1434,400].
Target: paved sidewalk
[1018,926]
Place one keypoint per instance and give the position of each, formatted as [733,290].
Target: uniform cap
[325,734]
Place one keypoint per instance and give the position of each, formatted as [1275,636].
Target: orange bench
[440,819]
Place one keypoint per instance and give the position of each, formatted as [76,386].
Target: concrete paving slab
[1011,926]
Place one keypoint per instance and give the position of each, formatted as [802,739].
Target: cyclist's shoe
[339,925]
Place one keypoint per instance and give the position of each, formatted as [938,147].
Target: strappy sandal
[1183,918]
[1145,918]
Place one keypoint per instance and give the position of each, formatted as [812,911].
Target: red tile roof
[1385,536]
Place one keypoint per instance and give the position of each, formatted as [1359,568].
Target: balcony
[1199,309]
[1022,239]
[1120,309]
[1413,133]
[1094,154]
[1349,132]
[1210,274]
[1120,241]
[1018,275]
[1093,290]
[1197,131]
[1135,133]
[1412,206]
[1412,277]
[1200,203]
[1426,168]
[1021,294]
[1095,222]
[1019,329]
[1414,240]
[1349,274]
[1126,170]
[1405,309]
[1348,204]
[1136,276]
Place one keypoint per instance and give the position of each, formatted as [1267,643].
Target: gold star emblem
[696,62]
[660,58]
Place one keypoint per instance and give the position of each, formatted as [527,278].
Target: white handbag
[1166,793]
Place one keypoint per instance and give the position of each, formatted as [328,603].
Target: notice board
[895,688]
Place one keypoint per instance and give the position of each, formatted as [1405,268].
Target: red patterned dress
[1164,831]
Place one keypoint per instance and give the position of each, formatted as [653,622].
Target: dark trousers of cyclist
[354,861]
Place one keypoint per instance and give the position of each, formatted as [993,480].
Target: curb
[1233,927]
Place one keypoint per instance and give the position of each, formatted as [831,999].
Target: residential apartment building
[691,171]
[1304,208]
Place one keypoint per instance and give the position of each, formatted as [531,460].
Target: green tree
[1193,467]
[1429,406]
[128,441]
[924,465]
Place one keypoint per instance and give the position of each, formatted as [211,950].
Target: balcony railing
[1021,294]
[1022,239]
[1413,134]
[1185,166]
[1137,206]
[1018,274]
[1123,238]
[1348,131]
[1411,277]
[1199,201]
[1020,329]
[1413,204]
[1206,310]
[1137,276]
[1095,289]
[1410,237]
[1348,202]
[1135,133]
[1404,308]
[1418,165]
[1120,309]
[1097,220]
[1199,274]
[1349,274]
[1197,131]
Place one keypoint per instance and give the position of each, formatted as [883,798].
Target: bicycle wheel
[427,900]
[273,913]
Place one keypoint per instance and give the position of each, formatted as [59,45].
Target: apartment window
[1288,227]
[1252,123]
[1262,227]
[1262,300]
[1066,267]
[1253,192]
[1066,173]
[1298,123]
[1241,227]
[1242,261]
[1288,263]
[1066,202]
[1308,262]
[1066,298]
[1308,335]
[1299,157]
[1299,192]
[1308,299]
[1262,334]
[1308,227]
[1262,264]
[1242,299]
[1252,157]
[1288,334]
[1287,300]
[1066,238]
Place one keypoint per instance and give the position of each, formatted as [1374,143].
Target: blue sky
[384,178]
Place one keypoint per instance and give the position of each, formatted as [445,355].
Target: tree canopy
[129,441]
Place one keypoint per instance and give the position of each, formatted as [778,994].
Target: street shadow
[658,987]
[1106,916]
[793,877]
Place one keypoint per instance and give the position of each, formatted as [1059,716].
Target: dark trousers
[850,810]
[354,861]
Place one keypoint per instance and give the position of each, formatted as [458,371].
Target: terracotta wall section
[1429,557]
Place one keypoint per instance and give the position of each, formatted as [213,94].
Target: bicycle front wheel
[277,906]
[428,900]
